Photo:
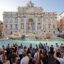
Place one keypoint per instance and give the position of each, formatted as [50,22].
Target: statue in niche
[30,25]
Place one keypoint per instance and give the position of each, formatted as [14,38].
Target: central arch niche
[30,26]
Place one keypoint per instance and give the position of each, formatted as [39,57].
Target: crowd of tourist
[42,54]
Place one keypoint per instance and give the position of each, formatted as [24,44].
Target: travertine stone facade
[30,20]
[61,23]
[1,28]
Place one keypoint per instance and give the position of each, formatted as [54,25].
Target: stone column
[36,25]
[25,22]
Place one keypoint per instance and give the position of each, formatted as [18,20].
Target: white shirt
[36,57]
[47,48]
[25,60]
[61,60]
[20,51]
[1,57]
[36,54]
[7,62]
